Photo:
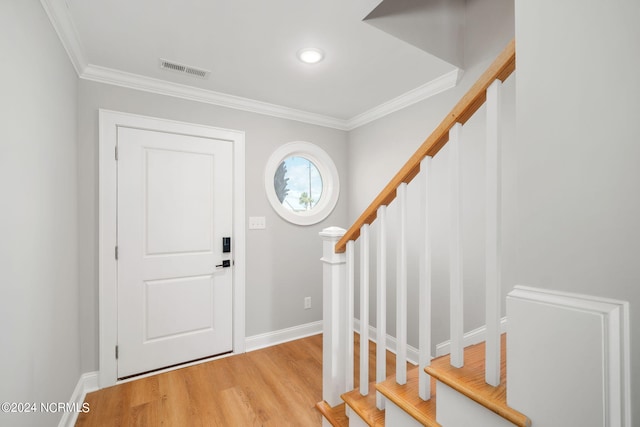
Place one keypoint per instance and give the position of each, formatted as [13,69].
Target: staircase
[407,409]
[470,383]
[569,354]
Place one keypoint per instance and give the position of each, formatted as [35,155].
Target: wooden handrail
[500,69]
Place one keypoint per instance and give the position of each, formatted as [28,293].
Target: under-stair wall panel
[560,343]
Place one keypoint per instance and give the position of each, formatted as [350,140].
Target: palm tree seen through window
[298,184]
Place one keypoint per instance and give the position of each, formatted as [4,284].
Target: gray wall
[283,263]
[578,152]
[378,150]
[39,347]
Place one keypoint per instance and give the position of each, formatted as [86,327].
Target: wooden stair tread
[336,416]
[407,398]
[365,406]
[469,380]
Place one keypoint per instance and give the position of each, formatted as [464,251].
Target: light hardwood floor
[276,386]
[271,387]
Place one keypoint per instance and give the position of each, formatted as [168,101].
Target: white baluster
[493,234]
[333,311]
[455,249]
[381,303]
[349,356]
[401,289]
[364,310]
[424,304]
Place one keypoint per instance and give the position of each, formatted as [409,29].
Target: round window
[301,182]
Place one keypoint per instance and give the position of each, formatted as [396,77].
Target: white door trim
[107,212]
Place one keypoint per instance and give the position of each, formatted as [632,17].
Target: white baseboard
[87,383]
[268,339]
[470,338]
[413,355]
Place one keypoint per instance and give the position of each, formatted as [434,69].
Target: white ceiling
[250,48]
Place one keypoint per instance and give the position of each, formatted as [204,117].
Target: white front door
[174,202]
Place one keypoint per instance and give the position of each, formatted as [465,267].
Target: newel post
[334,309]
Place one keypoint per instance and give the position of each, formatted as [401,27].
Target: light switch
[257,223]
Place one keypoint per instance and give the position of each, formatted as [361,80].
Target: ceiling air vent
[183,69]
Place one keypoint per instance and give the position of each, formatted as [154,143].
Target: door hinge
[116,153]
[116,352]
[116,252]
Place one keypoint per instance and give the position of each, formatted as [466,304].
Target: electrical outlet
[307,303]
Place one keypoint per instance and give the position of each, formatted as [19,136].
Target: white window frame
[328,172]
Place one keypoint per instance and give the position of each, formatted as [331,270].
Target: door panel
[177,307]
[186,202]
[174,207]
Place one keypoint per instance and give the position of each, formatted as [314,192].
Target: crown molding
[135,81]
[429,89]
[61,20]
[67,33]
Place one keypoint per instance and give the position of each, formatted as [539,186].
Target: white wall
[40,355]
[578,152]
[378,150]
[282,262]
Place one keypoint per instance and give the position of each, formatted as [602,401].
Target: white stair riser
[397,417]
[454,409]
[354,419]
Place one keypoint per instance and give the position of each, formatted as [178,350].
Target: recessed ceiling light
[310,55]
